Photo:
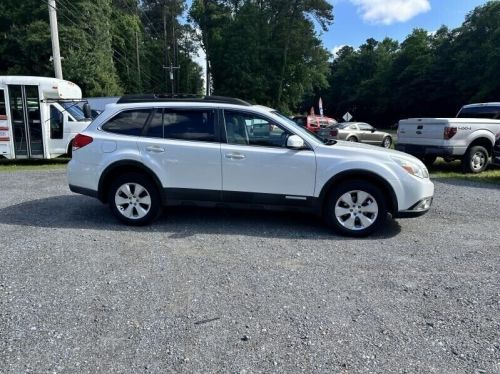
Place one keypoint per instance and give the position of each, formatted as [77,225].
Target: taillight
[81,141]
[449,132]
[334,132]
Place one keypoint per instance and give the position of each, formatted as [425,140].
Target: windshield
[74,110]
[298,129]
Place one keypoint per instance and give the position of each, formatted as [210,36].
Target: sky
[358,20]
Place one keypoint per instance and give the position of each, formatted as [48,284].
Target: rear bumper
[418,150]
[83,191]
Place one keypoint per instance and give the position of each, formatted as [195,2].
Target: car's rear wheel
[475,160]
[134,199]
[387,142]
[352,139]
[355,208]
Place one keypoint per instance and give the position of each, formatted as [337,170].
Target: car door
[367,135]
[182,144]
[257,167]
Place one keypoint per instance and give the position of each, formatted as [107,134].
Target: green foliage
[427,75]
[265,52]
[109,47]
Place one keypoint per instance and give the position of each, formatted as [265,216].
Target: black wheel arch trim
[364,175]
[132,164]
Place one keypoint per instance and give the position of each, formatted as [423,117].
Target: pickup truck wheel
[355,208]
[134,199]
[387,142]
[475,160]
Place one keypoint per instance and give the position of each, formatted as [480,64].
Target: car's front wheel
[134,199]
[352,139]
[355,208]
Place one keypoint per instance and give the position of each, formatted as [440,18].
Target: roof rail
[126,99]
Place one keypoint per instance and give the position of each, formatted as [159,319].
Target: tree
[266,52]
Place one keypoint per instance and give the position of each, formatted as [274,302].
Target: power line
[66,8]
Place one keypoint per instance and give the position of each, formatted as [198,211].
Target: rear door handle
[155,149]
[235,156]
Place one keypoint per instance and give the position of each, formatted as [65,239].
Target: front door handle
[155,149]
[235,156]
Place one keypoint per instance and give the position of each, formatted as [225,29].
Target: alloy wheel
[356,210]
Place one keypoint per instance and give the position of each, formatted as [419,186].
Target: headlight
[412,168]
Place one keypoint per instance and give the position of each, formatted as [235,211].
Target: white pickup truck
[468,137]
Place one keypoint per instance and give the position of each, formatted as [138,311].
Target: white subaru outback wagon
[146,152]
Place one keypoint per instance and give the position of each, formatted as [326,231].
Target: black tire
[475,160]
[387,142]
[70,149]
[429,160]
[352,139]
[141,213]
[334,201]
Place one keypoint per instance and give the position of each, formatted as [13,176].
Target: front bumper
[416,210]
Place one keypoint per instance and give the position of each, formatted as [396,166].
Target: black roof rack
[126,99]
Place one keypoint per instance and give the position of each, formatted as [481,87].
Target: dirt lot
[243,292]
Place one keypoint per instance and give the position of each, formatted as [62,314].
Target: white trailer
[39,116]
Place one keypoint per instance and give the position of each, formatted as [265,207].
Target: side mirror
[295,142]
[87,111]
[374,129]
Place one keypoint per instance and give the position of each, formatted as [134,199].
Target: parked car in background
[469,137]
[314,123]
[363,132]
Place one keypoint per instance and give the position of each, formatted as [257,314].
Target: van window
[129,122]
[487,111]
[56,123]
[3,109]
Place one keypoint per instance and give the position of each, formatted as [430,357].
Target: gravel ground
[244,292]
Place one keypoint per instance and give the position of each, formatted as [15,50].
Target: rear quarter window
[128,122]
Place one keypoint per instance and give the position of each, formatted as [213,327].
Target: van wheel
[387,142]
[475,160]
[355,208]
[134,199]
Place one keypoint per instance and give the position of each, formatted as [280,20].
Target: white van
[39,116]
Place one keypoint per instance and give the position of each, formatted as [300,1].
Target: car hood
[366,150]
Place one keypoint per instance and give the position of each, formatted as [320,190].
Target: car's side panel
[183,164]
[268,170]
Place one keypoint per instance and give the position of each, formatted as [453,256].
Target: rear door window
[189,124]
[128,122]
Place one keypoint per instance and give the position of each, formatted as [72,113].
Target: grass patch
[453,170]
[32,165]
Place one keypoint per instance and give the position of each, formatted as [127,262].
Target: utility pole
[168,61]
[138,57]
[54,33]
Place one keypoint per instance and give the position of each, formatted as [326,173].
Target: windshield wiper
[330,142]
